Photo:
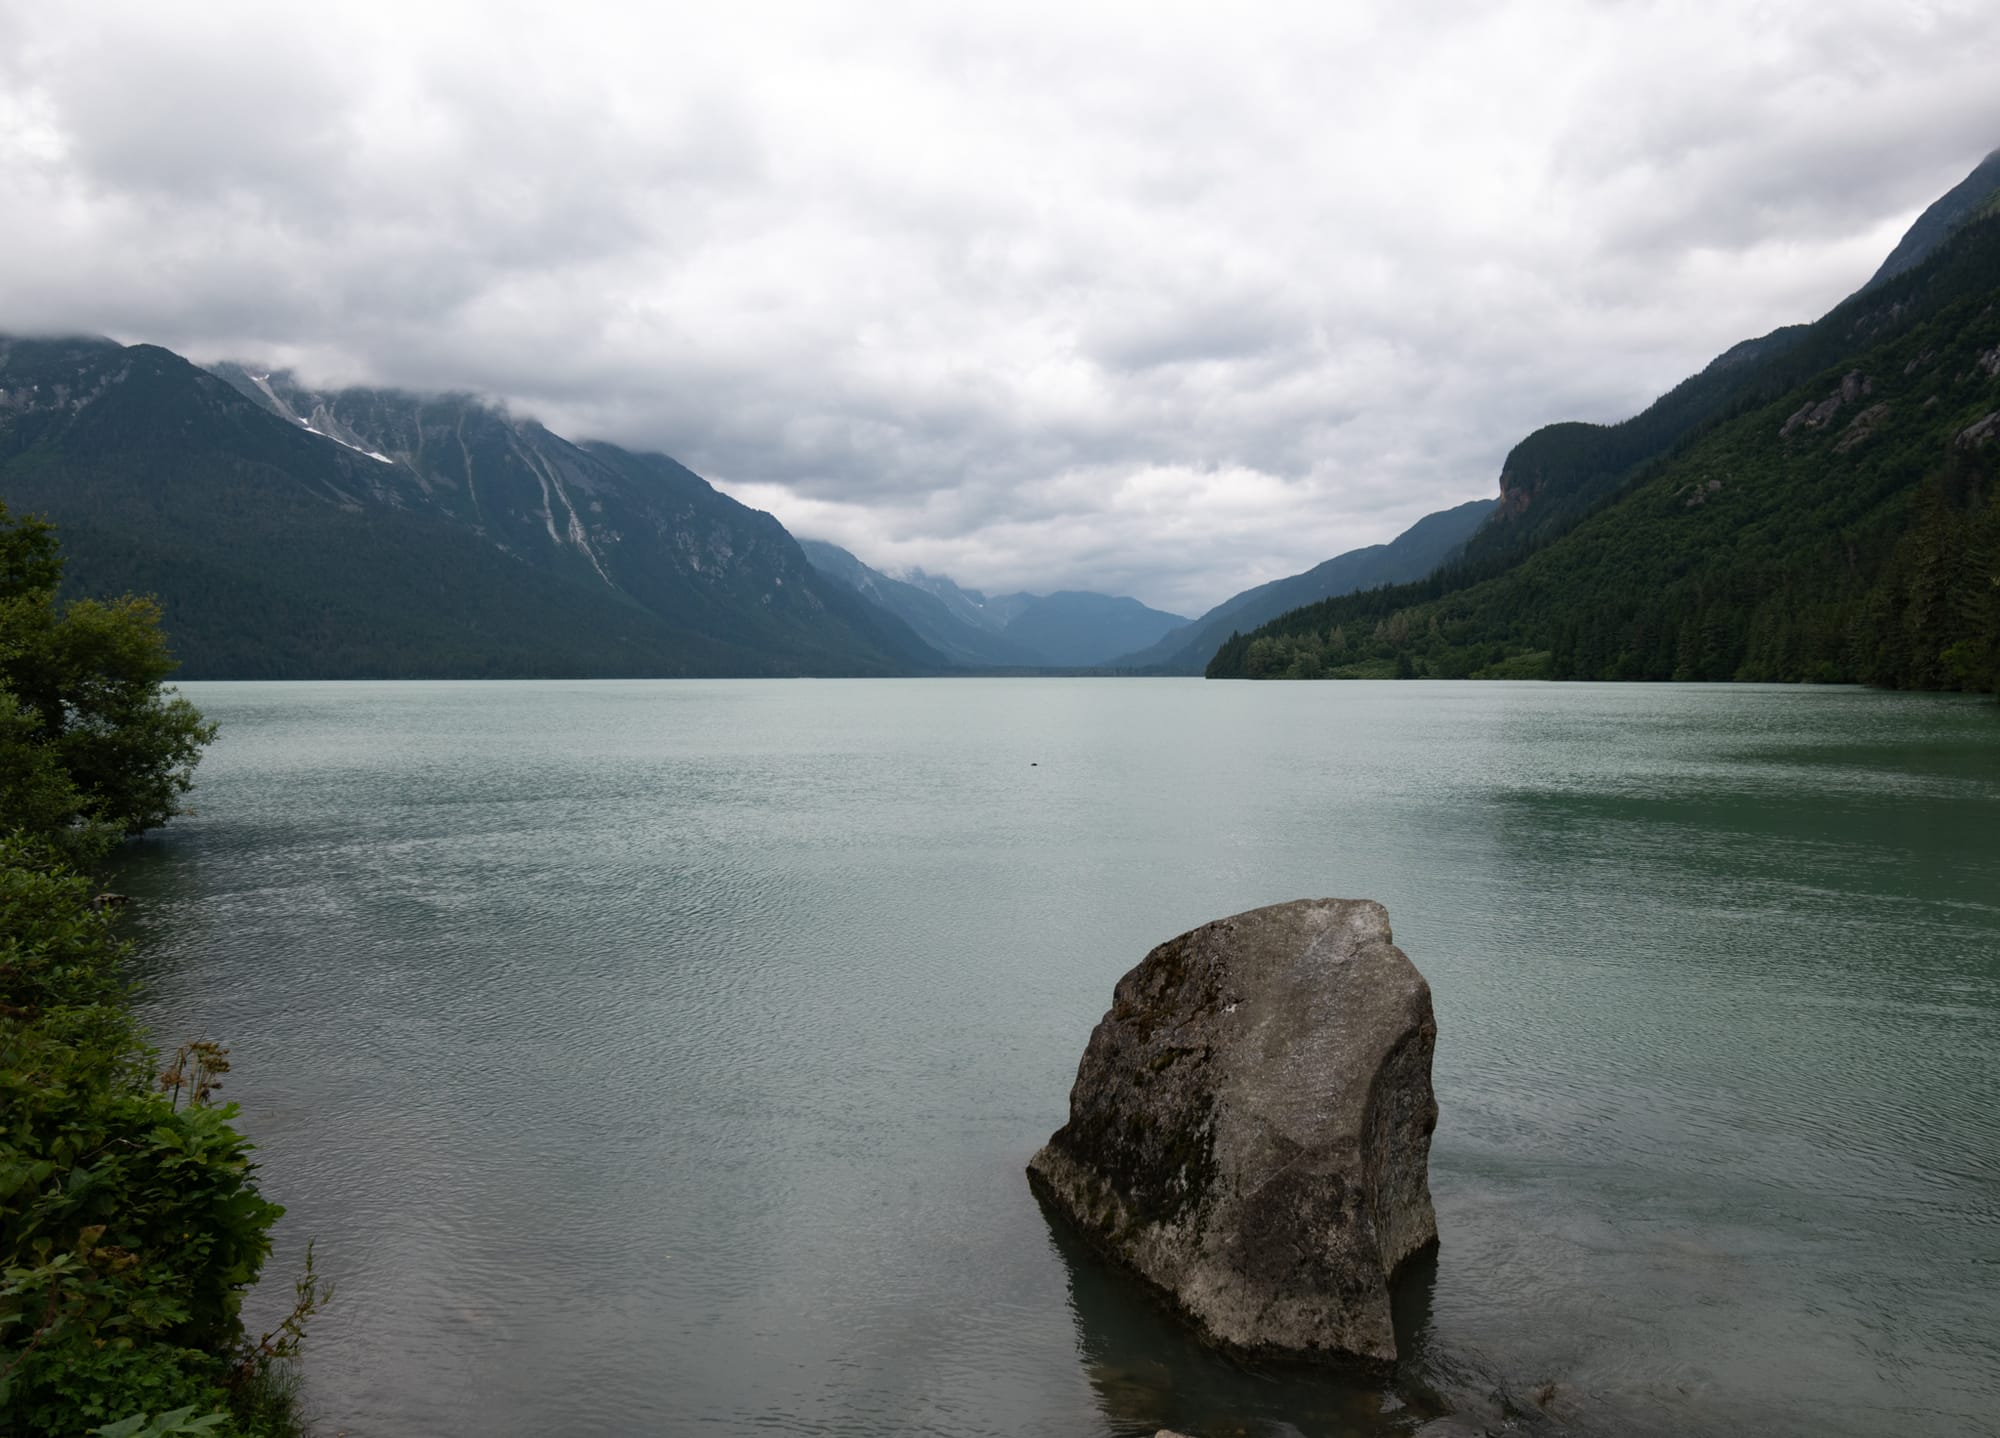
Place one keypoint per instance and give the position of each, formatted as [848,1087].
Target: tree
[130,1219]
[92,745]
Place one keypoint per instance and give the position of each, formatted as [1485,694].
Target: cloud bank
[1147,298]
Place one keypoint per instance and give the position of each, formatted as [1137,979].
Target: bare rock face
[1250,1128]
[1980,432]
[1853,386]
[1862,427]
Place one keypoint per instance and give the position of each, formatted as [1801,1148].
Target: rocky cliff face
[1250,1128]
[641,525]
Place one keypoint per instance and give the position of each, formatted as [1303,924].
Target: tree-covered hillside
[1844,527]
[1419,550]
[1563,471]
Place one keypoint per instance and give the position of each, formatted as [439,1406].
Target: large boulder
[1250,1128]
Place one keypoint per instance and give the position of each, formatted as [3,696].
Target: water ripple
[662,1058]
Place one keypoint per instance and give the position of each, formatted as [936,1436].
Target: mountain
[1071,629]
[1078,629]
[1562,471]
[994,612]
[1937,223]
[1823,506]
[969,642]
[1004,609]
[1412,554]
[293,534]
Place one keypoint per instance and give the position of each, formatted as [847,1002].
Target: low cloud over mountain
[1040,296]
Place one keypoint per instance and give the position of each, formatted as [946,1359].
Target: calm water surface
[663,1057]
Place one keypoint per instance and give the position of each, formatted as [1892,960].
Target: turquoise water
[663,1057]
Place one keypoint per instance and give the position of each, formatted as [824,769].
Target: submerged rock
[1250,1128]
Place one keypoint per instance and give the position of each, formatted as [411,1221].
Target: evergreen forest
[1818,506]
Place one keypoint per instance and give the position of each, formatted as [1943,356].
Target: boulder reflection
[1147,1371]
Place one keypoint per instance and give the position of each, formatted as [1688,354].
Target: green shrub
[130,1221]
[92,745]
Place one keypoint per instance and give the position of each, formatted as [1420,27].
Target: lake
[664,1057]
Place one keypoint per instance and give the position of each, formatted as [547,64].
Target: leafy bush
[91,745]
[130,1221]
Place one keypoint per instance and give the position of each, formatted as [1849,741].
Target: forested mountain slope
[1563,471]
[1941,218]
[1416,552]
[1842,527]
[373,533]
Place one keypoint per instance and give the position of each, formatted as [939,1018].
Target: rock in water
[1250,1128]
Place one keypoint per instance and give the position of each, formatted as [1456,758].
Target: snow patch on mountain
[263,383]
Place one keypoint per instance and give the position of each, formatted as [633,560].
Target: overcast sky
[1164,300]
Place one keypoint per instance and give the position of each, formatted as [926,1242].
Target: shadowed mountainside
[1820,506]
[376,533]
[1414,553]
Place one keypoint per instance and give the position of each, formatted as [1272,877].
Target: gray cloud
[1117,296]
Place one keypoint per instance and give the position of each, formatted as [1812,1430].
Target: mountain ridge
[1008,631]
[1080,628]
[938,624]
[423,535]
[1828,509]
[1416,552]
[1939,220]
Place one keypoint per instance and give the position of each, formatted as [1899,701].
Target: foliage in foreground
[92,747]
[130,1222]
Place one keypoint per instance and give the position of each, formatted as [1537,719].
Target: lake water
[659,1058]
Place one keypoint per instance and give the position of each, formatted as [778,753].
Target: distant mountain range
[1078,627]
[992,612]
[945,627]
[1071,629]
[1820,503]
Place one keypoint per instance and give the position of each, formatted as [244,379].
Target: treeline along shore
[131,1223]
